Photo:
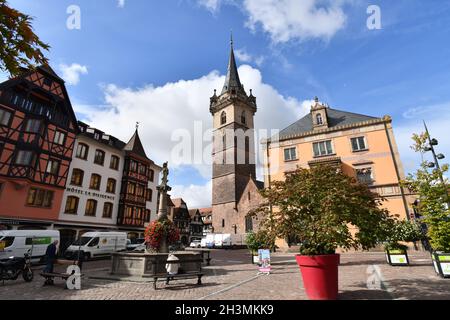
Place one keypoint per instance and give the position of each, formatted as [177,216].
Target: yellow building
[362,146]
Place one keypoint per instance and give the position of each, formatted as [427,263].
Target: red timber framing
[134,191]
[37,136]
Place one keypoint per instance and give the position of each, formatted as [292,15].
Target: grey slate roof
[335,118]
[232,81]
[111,142]
[135,146]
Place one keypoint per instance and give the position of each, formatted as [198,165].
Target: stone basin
[149,264]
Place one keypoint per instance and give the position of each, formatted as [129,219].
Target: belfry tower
[233,150]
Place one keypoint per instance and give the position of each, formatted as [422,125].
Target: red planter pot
[320,276]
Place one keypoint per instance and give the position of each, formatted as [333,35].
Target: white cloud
[211,5]
[120,3]
[196,196]
[287,20]
[243,56]
[163,110]
[71,74]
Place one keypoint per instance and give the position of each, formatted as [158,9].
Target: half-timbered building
[37,135]
[137,199]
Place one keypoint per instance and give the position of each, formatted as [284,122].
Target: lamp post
[432,143]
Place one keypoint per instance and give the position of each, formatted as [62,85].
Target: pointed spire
[231,40]
[232,81]
[135,145]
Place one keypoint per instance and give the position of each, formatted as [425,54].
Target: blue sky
[158,62]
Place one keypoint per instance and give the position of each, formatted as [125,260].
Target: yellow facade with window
[359,145]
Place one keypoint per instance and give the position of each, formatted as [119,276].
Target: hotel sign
[89,193]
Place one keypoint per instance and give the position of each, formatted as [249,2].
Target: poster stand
[264,262]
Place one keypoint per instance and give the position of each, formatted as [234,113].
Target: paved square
[232,277]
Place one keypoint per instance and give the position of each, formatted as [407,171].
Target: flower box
[397,257]
[441,262]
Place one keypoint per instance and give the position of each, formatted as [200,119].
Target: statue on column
[163,188]
[154,239]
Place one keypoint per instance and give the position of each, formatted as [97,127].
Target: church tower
[234,163]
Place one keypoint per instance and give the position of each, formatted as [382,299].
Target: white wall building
[93,190]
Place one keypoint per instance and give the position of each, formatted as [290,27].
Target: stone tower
[233,150]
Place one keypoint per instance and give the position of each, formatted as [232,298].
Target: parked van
[15,243]
[238,240]
[208,241]
[227,240]
[97,244]
[218,240]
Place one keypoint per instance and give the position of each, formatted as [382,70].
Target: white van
[97,244]
[208,241]
[15,243]
[228,240]
[218,240]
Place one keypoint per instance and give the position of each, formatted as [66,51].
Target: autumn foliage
[19,45]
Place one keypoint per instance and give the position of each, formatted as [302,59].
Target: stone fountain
[148,264]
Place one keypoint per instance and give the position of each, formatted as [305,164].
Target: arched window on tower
[243,120]
[319,119]
[223,118]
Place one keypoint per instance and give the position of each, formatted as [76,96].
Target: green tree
[434,197]
[402,231]
[320,207]
[19,45]
[260,240]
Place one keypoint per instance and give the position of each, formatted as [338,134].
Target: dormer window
[223,118]
[319,119]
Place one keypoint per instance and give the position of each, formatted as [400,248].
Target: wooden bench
[206,254]
[180,276]
[50,276]
[186,275]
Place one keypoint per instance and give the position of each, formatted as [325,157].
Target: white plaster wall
[89,167]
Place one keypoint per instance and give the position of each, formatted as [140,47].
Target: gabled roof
[178,202]
[46,68]
[336,118]
[135,146]
[111,141]
[169,201]
[205,211]
[193,212]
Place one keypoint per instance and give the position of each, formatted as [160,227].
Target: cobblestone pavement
[232,277]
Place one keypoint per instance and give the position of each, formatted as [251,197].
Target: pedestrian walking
[50,258]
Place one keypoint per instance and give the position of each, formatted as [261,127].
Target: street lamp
[430,147]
